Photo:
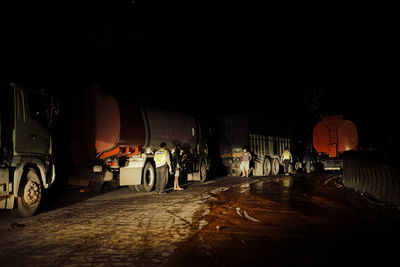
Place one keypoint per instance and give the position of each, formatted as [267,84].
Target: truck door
[38,116]
[21,130]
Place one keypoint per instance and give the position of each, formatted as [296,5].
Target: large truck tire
[275,166]
[203,171]
[110,185]
[29,193]
[95,186]
[267,167]
[148,178]
[135,188]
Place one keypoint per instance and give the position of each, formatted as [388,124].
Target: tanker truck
[26,161]
[331,137]
[113,141]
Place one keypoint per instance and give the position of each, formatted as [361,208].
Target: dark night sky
[212,57]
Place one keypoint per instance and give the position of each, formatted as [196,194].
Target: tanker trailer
[331,137]
[120,136]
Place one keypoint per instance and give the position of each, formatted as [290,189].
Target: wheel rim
[149,177]
[267,167]
[203,171]
[275,166]
[32,193]
[296,166]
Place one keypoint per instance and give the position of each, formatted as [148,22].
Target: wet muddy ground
[227,221]
[292,220]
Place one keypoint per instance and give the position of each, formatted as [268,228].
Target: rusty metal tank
[126,123]
[147,126]
[107,122]
[335,135]
[100,122]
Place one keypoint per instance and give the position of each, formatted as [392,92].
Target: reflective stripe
[160,157]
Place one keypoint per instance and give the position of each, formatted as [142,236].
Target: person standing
[163,164]
[176,158]
[286,158]
[245,163]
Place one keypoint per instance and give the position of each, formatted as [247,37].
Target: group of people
[164,166]
[286,160]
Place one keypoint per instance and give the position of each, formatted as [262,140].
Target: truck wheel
[203,171]
[267,167]
[95,186]
[29,193]
[148,178]
[135,188]
[110,185]
[275,167]
[298,166]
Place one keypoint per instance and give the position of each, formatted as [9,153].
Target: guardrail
[367,174]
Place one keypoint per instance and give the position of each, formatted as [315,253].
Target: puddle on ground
[292,193]
[295,193]
[265,219]
[282,189]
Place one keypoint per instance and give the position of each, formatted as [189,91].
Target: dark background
[294,63]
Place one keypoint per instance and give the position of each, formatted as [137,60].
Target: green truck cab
[26,165]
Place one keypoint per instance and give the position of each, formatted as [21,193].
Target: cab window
[20,106]
[37,108]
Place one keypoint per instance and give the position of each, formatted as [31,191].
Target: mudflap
[195,176]
[130,176]
[6,198]
[7,202]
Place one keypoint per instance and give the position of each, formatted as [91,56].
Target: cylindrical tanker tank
[135,125]
[333,136]
[107,122]
[168,126]
[101,122]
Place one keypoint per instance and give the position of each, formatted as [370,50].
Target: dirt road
[228,221]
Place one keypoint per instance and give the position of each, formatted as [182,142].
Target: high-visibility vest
[286,155]
[160,157]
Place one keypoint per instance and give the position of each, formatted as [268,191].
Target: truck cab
[26,167]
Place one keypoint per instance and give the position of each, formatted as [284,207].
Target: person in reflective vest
[163,164]
[286,158]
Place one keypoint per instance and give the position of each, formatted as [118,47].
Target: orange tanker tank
[334,135]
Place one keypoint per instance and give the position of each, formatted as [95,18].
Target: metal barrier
[367,174]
